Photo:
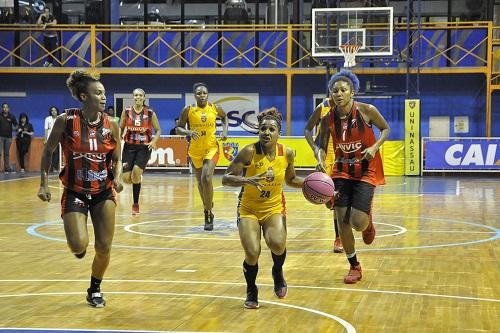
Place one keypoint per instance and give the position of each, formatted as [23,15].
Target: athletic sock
[353,260]
[136,189]
[95,284]
[250,275]
[278,260]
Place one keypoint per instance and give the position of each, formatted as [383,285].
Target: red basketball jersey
[88,151]
[139,126]
[350,137]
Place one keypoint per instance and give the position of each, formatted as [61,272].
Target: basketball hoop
[349,52]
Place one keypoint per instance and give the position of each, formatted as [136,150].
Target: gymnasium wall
[441,95]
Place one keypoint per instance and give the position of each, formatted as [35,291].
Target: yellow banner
[412,137]
[304,156]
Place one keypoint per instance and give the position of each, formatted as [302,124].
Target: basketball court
[432,268]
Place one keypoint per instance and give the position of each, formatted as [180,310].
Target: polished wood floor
[434,266]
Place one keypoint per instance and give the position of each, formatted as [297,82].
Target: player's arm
[373,116]
[156,126]
[117,157]
[223,117]
[313,121]
[324,137]
[233,175]
[123,121]
[181,125]
[48,149]
[290,176]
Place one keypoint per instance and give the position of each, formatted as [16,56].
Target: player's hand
[152,145]
[44,194]
[194,135]
[118,186]
[255,180]
[369,153]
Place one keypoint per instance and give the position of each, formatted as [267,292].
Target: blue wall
[441,95]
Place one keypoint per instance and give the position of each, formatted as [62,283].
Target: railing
[442,45]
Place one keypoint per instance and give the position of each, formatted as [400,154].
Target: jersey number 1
[93,144]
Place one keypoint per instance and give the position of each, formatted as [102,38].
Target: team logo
[92,133]
[203,117]
[79,203]
[230,150]
[76,134]
[105,132]
[269,175]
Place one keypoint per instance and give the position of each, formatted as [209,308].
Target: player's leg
[361,213]
[207,192]
[249,230]
[274,229]
[103,220]
[343,211]
[74,208]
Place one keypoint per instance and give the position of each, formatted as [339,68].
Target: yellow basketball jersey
[326,106]
[202,120]
[271,196]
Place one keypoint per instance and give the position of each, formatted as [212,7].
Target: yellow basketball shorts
[260,216]
[197,157]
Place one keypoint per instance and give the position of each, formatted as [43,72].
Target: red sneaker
[369,232]
[354,275]
[337,246]
[135,209]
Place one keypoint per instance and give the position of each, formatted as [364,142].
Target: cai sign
[464,154]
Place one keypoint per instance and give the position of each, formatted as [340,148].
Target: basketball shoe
[135,209]
[280,287]
[354,275]
[369,232]
[252,299]
[95,299]
[337,246]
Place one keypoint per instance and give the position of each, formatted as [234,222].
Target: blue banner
[464,154]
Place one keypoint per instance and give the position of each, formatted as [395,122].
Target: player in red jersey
[137,123]
[91,147]
[358,165]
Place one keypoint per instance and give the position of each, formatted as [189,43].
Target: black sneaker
[209,221]
[95,299]
[280,287]
[252,299]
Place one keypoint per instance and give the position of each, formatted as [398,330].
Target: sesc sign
[465,154]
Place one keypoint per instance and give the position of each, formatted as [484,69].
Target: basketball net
[349,52]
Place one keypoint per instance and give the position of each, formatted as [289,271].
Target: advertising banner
[171,153]
[412,137]
[241,110]
[304,156]
[463,154]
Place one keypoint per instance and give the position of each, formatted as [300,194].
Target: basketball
[318,188]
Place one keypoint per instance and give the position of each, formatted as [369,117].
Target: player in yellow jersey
[203,147]
[261,169]
[314,120]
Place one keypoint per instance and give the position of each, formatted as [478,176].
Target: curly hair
[346,76]
[79,80]
[199,84]
[270,113]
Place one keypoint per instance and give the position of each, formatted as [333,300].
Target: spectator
[111,113]
[49,36]
[8,123]
[173,130]
[49,124]
[23,139]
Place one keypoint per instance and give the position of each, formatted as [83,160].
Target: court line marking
[376,291]
[349,328]
[91,330]
[32,231]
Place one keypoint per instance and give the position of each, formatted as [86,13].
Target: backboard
[369,27]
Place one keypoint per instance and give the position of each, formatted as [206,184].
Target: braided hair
[270,113]
[79,80]
[346,76]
